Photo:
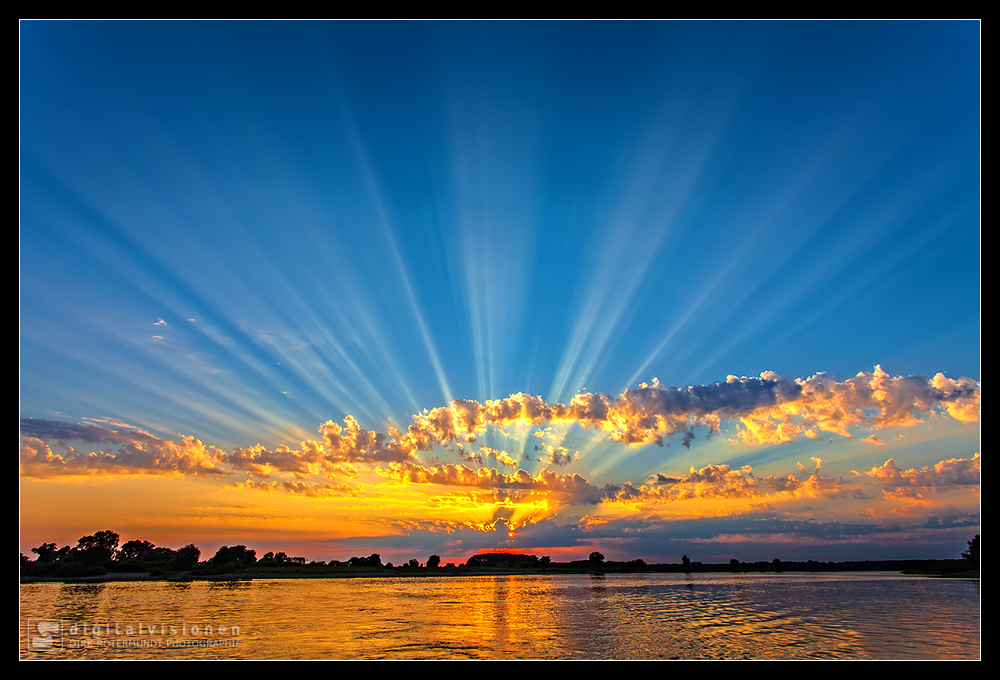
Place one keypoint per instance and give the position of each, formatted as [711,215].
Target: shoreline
[320,573]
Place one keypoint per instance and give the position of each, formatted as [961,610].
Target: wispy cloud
[319,490]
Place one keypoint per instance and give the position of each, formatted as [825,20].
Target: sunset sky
[653,289]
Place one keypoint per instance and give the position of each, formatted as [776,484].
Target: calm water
[645,616]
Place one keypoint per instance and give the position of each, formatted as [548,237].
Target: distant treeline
[100,553]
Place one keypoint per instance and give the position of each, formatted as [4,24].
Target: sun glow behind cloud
[381,479]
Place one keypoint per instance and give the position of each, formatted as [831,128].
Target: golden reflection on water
[643,616]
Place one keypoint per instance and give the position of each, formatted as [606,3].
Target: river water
[640,616]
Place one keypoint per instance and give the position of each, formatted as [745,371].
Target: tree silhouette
[186,557]
[971,555]
[134,550]
[434,561]
[47,553]
[99,547]
[374,560]
[238,555]
[596,559]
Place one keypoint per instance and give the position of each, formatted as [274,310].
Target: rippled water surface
[644,616]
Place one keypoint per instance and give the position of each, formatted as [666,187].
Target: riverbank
[930,568]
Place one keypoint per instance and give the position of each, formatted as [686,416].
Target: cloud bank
[400,482]
[769,409]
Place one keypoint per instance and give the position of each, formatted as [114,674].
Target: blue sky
[238,231]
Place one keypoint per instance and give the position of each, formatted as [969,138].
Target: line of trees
[100,553]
